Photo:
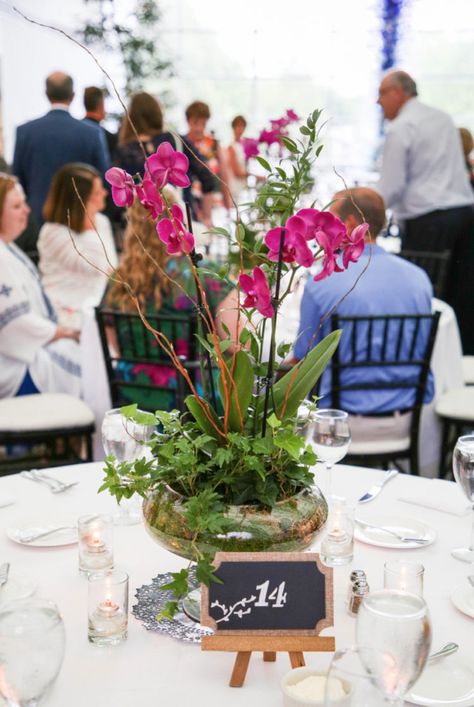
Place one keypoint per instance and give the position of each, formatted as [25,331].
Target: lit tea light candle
[108,607]
[95,543]
[404,576]
[337,546]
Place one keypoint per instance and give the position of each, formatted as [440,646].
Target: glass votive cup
[108,607]
[337,545]
[95,543]
[403,575]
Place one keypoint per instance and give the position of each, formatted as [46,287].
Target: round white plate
[61,537]
[399,524]
[18,586]
[445,682]
[463,599]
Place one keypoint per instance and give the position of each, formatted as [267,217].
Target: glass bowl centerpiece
[232,472]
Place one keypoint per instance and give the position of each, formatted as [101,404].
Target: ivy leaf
[168,611]
[205,572]
[131,412]
[179,584]
[290,442]
[273,421]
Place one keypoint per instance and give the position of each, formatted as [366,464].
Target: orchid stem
[195,258]
[269,382]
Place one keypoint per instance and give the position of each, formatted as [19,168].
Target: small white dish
[61,537]
[445,682]
[297,675]
[463,599]
[399,524]
[17,586]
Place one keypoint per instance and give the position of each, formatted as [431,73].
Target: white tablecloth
[152,669]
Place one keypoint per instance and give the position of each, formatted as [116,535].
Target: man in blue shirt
[389,285]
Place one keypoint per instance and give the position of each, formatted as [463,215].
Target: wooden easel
[269,644]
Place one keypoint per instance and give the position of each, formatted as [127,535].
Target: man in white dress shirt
[425,182]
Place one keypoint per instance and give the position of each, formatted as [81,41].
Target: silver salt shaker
[360,589]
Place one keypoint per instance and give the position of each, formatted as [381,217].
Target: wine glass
[330,437]
[32,643]
[349,684]
[394,637]
[125,439]
[463,468]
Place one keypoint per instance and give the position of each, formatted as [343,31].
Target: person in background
[164,285]
[46,144]
[95,113]
[76,246]
[236,159]
[36,354]
[197,116]
[425,182]
[467,143]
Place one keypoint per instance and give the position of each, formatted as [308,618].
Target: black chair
[436,266]
[374,342]
[139,358]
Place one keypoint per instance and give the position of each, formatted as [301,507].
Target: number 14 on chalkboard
[276,599]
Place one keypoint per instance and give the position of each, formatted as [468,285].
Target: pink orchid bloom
[295,247]
[122,186]
[168,165]
[257,291]
[330,243]
[291,115]
[268,136]
[250,147]
[279,125]
[150,197]
[173,233]
[322,222]
[353,244]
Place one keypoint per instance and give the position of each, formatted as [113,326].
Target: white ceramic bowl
[297,675]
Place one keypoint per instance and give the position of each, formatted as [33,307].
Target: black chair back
[436,266]
[138,369]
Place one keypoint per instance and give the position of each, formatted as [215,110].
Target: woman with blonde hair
[36,354]
[76,246]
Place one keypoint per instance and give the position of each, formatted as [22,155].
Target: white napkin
[442,496]
[7,501]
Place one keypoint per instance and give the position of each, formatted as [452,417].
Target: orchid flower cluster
[251,146]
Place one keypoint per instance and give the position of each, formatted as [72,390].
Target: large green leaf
[240,393]
[195,408]
[306,377]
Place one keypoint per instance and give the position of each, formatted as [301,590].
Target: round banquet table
[151,668]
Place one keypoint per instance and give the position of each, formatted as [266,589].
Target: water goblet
[349,684]
[330,437]
[393,633]
[125,439]
[463,468]
[32,643]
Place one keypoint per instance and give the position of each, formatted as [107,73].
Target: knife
[4,570]
[375,490]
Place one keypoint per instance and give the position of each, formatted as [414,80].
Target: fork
[26,537]
[53,484]
[403,538]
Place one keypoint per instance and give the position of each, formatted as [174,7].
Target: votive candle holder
[108,607]
[95,543]
[404,575]
[337,545]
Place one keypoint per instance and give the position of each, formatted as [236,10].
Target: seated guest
[389,285]
[36,355]
[197,115]
[145,115]
[76,246]
[164,285]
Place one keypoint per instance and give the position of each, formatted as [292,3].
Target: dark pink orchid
[257,291]
[353,244]
[268,136]
[279,125]
[330,245]
[291,115]
[173,233]
[295,248]
[250,147]
[150,197]
[122,186]
[322,221]
[168,166]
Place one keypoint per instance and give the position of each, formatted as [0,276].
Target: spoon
[448,649]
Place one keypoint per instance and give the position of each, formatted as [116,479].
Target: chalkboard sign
[275,601]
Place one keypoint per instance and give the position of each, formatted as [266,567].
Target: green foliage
[240,386]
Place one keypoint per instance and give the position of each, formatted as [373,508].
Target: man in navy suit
[46,144]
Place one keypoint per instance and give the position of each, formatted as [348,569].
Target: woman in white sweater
[76,245]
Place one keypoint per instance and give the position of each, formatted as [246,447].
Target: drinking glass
[31,650]
[463,468]
[125,440]
[330,437]
[349,683]
[393,633]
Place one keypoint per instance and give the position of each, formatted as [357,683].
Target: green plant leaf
[131,412]
[179,583]
[205,572]
[305,378]
[202,421]
[240,393]
[264,163]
